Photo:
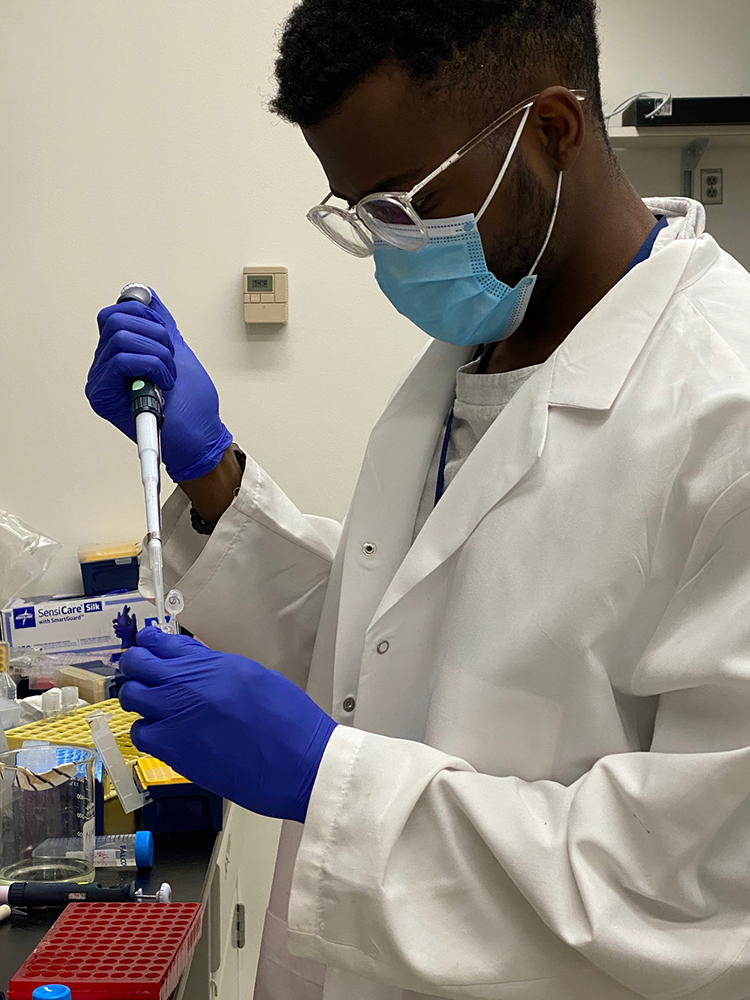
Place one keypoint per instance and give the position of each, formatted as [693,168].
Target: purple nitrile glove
[143,341]
[226,723]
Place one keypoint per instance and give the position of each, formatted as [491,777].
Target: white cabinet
[260,843]
[235,898]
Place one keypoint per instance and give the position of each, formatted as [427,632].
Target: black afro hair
[329,46]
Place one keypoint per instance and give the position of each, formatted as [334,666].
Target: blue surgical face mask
[446,288]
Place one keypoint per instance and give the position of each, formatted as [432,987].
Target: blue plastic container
[106,569]
[53,992]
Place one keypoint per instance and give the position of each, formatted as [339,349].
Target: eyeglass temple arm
[580,95]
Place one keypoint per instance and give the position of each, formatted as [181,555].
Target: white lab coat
[547,792]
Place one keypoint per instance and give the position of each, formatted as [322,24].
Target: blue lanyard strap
[444,460]
[648,247]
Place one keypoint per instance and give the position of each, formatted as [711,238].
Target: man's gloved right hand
[137,340]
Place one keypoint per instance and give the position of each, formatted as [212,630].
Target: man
[523,770]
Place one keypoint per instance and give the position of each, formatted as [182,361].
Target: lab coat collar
[592,365]
[587,372]
[687,218]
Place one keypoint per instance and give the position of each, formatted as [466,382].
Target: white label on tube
[112,857]
[106,857]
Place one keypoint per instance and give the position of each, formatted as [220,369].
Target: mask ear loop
[532,272]
[504,169]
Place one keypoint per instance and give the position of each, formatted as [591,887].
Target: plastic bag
[25,555]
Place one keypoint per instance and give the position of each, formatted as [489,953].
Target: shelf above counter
[679,136]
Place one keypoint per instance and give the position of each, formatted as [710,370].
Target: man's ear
[556,131]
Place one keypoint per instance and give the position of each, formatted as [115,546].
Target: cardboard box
[72,624]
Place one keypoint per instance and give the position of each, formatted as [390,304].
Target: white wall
[691,50]
[684,46]
[136,146]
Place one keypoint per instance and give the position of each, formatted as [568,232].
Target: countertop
[182,859]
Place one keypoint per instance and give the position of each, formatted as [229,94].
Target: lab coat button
[383,647]
[369,548]
[349,704]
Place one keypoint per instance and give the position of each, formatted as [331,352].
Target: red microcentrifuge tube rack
[114,951]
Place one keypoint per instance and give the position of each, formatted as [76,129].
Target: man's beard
[511,255]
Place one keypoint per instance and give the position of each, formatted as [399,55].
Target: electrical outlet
[712,187]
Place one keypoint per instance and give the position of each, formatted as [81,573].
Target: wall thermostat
[266,295]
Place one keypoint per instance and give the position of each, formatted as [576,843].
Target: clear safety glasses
[390,215]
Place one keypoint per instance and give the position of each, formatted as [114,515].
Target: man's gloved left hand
[226,723]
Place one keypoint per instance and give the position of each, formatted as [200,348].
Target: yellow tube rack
[73,730]
[152,772]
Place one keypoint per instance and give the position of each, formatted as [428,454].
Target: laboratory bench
[229,873]
[182,859]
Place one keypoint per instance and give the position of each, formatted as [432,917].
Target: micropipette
[28,895]
[147,408]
